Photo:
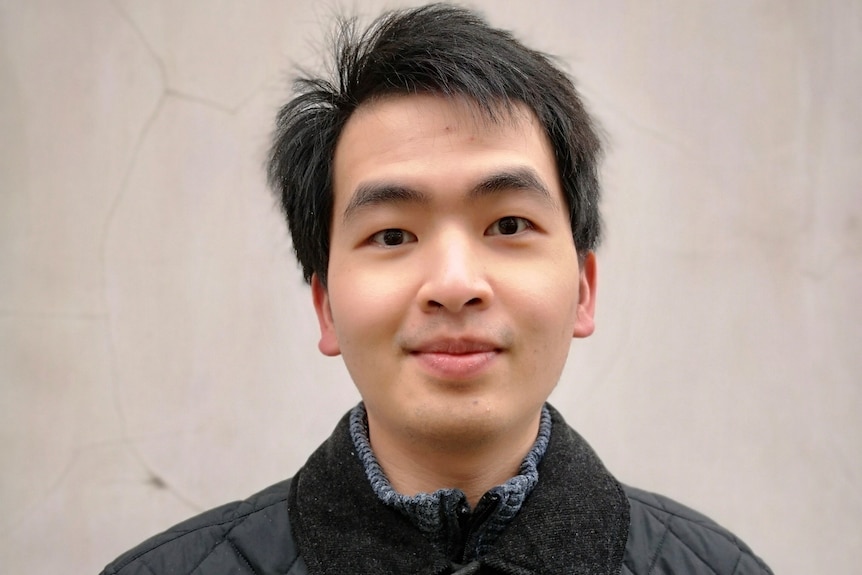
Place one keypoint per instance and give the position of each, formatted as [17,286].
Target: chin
[474,423]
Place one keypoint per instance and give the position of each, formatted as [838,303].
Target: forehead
[427,140]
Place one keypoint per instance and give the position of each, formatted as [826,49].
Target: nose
[455,278]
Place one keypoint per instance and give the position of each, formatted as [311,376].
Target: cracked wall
[158,349]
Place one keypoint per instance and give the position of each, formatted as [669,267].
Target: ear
[584,324]
[328,344]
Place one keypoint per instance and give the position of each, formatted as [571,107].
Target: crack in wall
[130,443]
[170,90]
[111,334]
[127,18]
[43,498]
[150,479]
[219,106]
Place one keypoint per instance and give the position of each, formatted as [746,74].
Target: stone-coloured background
[158,348]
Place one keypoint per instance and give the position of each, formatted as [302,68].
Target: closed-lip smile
[455,346]
[457,359]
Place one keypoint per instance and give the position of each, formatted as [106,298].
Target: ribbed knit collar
[445,516]
[575,521]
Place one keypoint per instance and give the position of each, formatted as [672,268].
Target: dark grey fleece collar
[575,520]
[445,516]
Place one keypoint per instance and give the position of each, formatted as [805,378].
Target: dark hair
[440,49]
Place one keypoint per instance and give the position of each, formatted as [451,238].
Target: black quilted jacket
[327,520]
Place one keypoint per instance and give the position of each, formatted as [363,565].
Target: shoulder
[667,537]
[254,533]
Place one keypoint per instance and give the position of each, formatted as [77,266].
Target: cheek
[547,299]
[548,325]
[365,306]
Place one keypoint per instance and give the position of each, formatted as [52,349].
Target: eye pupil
[508,225]
[393,237]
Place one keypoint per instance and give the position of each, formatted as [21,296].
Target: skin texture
[454,287]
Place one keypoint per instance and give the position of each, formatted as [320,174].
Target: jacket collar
[439,515]
[575,520]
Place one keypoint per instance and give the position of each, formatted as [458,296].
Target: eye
[392,237]
[508,226]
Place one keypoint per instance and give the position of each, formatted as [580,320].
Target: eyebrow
[517,179]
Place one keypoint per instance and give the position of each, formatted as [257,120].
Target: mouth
[456,346]
[456,359]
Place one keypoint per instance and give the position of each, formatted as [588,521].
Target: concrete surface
[158,348]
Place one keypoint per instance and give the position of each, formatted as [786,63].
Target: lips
[456,359]
[456,346]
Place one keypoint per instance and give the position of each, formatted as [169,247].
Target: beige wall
[158,348]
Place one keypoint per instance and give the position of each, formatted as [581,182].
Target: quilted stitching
[230,517]
[667,531]
[199,568]
[691,549]
[240,554]
[666,525]
[148,568]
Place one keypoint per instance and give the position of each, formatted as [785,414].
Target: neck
[415,466]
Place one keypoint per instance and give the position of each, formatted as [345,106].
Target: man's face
[454,288]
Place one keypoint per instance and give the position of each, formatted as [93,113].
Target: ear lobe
[328,344]
[584,323]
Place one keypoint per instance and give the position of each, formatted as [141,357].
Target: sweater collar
[445,516]
[574,521]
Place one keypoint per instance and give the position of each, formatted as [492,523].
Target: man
[442,197]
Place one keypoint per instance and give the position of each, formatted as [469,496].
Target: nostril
[436,305]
